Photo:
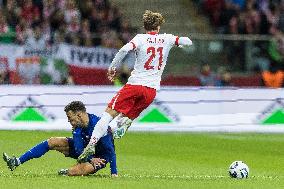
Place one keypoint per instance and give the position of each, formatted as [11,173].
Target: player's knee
[57,142]
[112,112]
[53,142]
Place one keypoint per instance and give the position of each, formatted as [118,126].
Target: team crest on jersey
[272,114]
[158,113]
[29,111]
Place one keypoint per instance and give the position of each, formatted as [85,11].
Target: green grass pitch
[155,160]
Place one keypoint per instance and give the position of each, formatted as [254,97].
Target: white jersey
[151,52]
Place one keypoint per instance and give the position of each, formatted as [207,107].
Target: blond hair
[152,20]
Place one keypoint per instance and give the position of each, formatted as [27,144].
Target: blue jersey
[104,148]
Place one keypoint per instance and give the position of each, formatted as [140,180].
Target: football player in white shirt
[151,50]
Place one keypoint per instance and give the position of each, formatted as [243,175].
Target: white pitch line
[194,176]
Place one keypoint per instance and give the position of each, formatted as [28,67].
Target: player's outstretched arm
[113,166]
[117,59]
[184,41]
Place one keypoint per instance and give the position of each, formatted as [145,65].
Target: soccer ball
[239,170]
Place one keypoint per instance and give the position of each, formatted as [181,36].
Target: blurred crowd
[46,22]
[245,16]
[264,17]
[38,24]
[207,77]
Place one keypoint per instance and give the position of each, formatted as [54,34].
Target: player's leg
[100,129]
[35,152]
[60,144]
[121,126]
[82,169]
[55,143]
[125,104]
[102,125]
[121,103]
[141,103]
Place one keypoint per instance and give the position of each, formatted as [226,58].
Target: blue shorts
[72,152]
[74,155]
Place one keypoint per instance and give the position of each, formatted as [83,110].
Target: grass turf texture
[155,160]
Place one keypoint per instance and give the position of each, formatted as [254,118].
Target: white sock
[102,126]
[113,124]
[18,161]
[120,121]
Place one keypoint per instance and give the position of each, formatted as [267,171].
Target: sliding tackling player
[83,125]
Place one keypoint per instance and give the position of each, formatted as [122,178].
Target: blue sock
[35,152]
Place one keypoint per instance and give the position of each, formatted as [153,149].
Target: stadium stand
[40,25]
[71,21]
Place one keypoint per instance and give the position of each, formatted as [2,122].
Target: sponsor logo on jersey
[158,113]
[29,111]
[272,114]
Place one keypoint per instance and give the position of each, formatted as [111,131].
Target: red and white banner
[87,65]
[95,57]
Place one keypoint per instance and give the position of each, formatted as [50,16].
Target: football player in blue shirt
[82,127]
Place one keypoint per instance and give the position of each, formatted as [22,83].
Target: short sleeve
[173,39]
[135,42]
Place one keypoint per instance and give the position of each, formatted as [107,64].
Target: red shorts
[131,100]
